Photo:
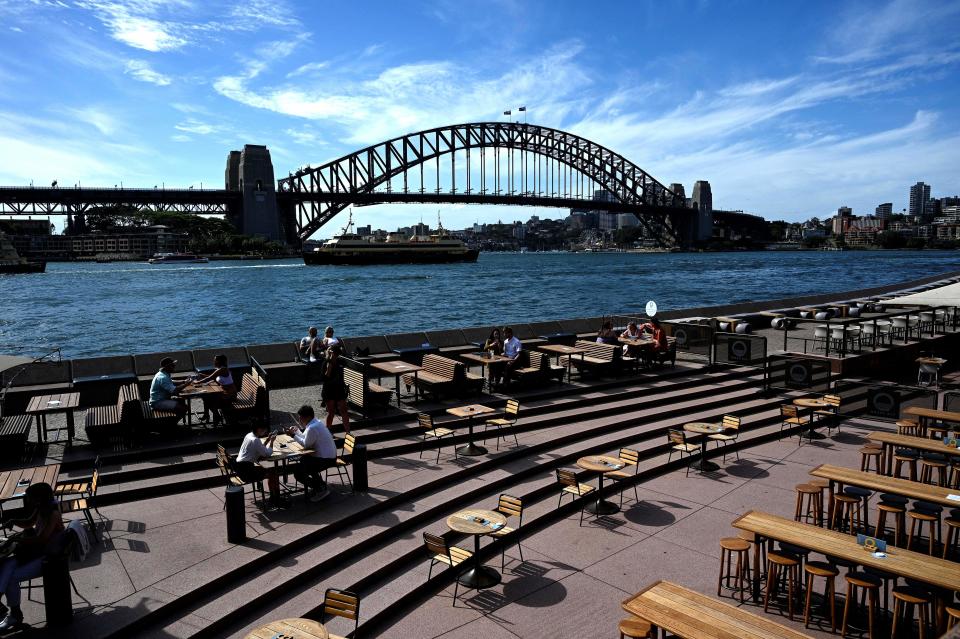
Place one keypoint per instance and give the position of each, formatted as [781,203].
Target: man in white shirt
[311,347]
[314,435]
[252,450]
[511,349]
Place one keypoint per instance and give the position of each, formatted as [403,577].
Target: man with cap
[162,389]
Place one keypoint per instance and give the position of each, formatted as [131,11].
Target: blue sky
[788,109]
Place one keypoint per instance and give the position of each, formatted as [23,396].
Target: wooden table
[927,414]
[486,361]
[290,629]
[905,563]
[685,613]
[194,389]
[891,441]
[477,523]
[14,483]
[285,448]
[469,413]
[812,403]
[43,405]
[840,476]
[562,349]
[397,369]
[704,428]
[601,464]
[931,361]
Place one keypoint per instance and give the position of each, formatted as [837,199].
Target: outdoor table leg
[703,465]
[471,449]
[830,504]
[479,576]
[601,506]
[416,388]
[71,428]
[398,391]
[888,453]
[757,540]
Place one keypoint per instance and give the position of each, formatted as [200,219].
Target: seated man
[328,338]
[511,349]
[252,450]
[311,348]
[313,435]
[163,389]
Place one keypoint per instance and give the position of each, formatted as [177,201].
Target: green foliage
[890,240]
[916,243]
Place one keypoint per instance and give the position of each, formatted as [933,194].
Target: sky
[789,109]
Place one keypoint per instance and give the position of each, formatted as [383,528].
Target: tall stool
[897,510]
[953,615]
[908,427]
[845,508]
[906,597]
[955,474]
[925,512]
[760,552]
[906,456]
[729,546]
[812,570]
[888,579]
[952,535]
[872,454]
[930,462]
[635,628]
[864,495]
[811,495]
[871,586]
[778,562]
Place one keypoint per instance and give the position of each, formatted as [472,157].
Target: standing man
[511,349]
[253,450]
[163,389]
[313,435]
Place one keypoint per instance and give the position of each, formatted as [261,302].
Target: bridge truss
[486,163]
[28,200]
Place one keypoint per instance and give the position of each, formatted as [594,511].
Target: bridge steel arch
[319,193]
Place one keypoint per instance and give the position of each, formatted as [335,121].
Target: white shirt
[305,344]
[316,437]
[511,347]
[253,449]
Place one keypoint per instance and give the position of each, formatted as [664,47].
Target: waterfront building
[841,220]
[884,210]
[919,196]
[863,231]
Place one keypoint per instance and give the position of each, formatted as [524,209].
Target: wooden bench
[102,423]
[597,357]
[439,375]
[252,401]
[13,435]
[363,393]
[538,369]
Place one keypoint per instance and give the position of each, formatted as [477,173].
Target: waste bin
[360,481]
[58,602]
[236,515]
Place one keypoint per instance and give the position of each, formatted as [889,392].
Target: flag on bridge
[522,109]
[508,112]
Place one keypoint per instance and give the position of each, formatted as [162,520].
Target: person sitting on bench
[163,389]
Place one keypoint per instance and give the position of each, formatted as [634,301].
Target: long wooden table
[840,477]
[926,415]
[14,483]
[685,613]
[905,563]
[893,440]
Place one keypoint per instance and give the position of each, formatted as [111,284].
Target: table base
[472,450]
[812,434]
[602,507]
[479,578]
[705,466]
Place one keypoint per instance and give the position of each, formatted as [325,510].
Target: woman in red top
[659,336]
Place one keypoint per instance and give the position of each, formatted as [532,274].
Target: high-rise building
[884,210]
[919,195]
[842,219]
[702,196]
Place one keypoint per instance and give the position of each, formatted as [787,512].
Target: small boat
[177,258]
[11,263]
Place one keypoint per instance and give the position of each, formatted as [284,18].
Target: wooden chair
[679,440]
[349,441]
[510,415]
[570,486]
[790,417]
[444,553]
[731,431]
[628,457]
[509,506]
[432,432]
[81,487]
[226,469]
[830,415]
[85,504]
[341,603]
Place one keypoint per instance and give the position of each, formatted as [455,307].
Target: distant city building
[863,231]
[919,196]
[840,221]
[884,210]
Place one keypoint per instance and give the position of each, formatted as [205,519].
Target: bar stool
[953,616]
[925,512]
[871,454]
[899,512]
[955,474]
[801,553]
[906,456]
[822,484]
[907,597]
[811,495]
[888,579]
[930,462]
[729,546]
[938,430]
[864,495]
[871,586]
[635,628]
[776,562]
[812,570]
[845,507]
[908,427]
[953,532]
[760,545]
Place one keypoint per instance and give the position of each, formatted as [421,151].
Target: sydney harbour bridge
[506,163]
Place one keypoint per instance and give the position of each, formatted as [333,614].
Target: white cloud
[310,67]
[136,23]
[305,137]
[192,125]
[144,72]
[103,121]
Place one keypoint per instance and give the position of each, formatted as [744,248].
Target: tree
[890,240]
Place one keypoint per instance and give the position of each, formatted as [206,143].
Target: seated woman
[660,344]
[216,402]
[632,332]
[494,345]
[42,528]
[606,334]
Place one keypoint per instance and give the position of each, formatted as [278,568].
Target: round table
[601,464]
[813,404]
[704,428]
[477,523]
[292,628]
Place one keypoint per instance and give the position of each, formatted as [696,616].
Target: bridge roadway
[29,200]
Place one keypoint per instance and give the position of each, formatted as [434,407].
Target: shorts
[166,404]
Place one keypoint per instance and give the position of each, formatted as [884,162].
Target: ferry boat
[12,263]
[349,248]
[177,258]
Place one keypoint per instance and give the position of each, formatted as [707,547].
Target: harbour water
[99,309]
